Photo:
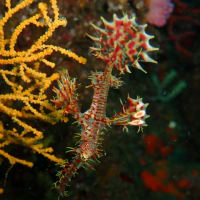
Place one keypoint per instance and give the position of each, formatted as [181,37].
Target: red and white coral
[122,43]
[159,11]
[133,113]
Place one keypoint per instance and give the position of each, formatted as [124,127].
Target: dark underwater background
[160,163]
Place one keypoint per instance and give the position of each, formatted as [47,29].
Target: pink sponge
[159,12]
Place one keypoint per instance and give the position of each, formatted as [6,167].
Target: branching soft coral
[23,84]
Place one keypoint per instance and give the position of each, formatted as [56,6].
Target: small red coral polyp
[183,183]
[152,143]
[151,181]
[158,183]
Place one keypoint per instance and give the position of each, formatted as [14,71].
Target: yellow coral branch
[34,73]
[10,111]
[47,35]
[20,28]
[14,160]
[31,58]
[48,81]
[43,9]
[8,4]
[48,63]
[26,86]
[38,134]
[8,15]
[5,143]
[68,53]
[55,9]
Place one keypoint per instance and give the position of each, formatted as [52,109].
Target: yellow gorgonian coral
[24,94]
